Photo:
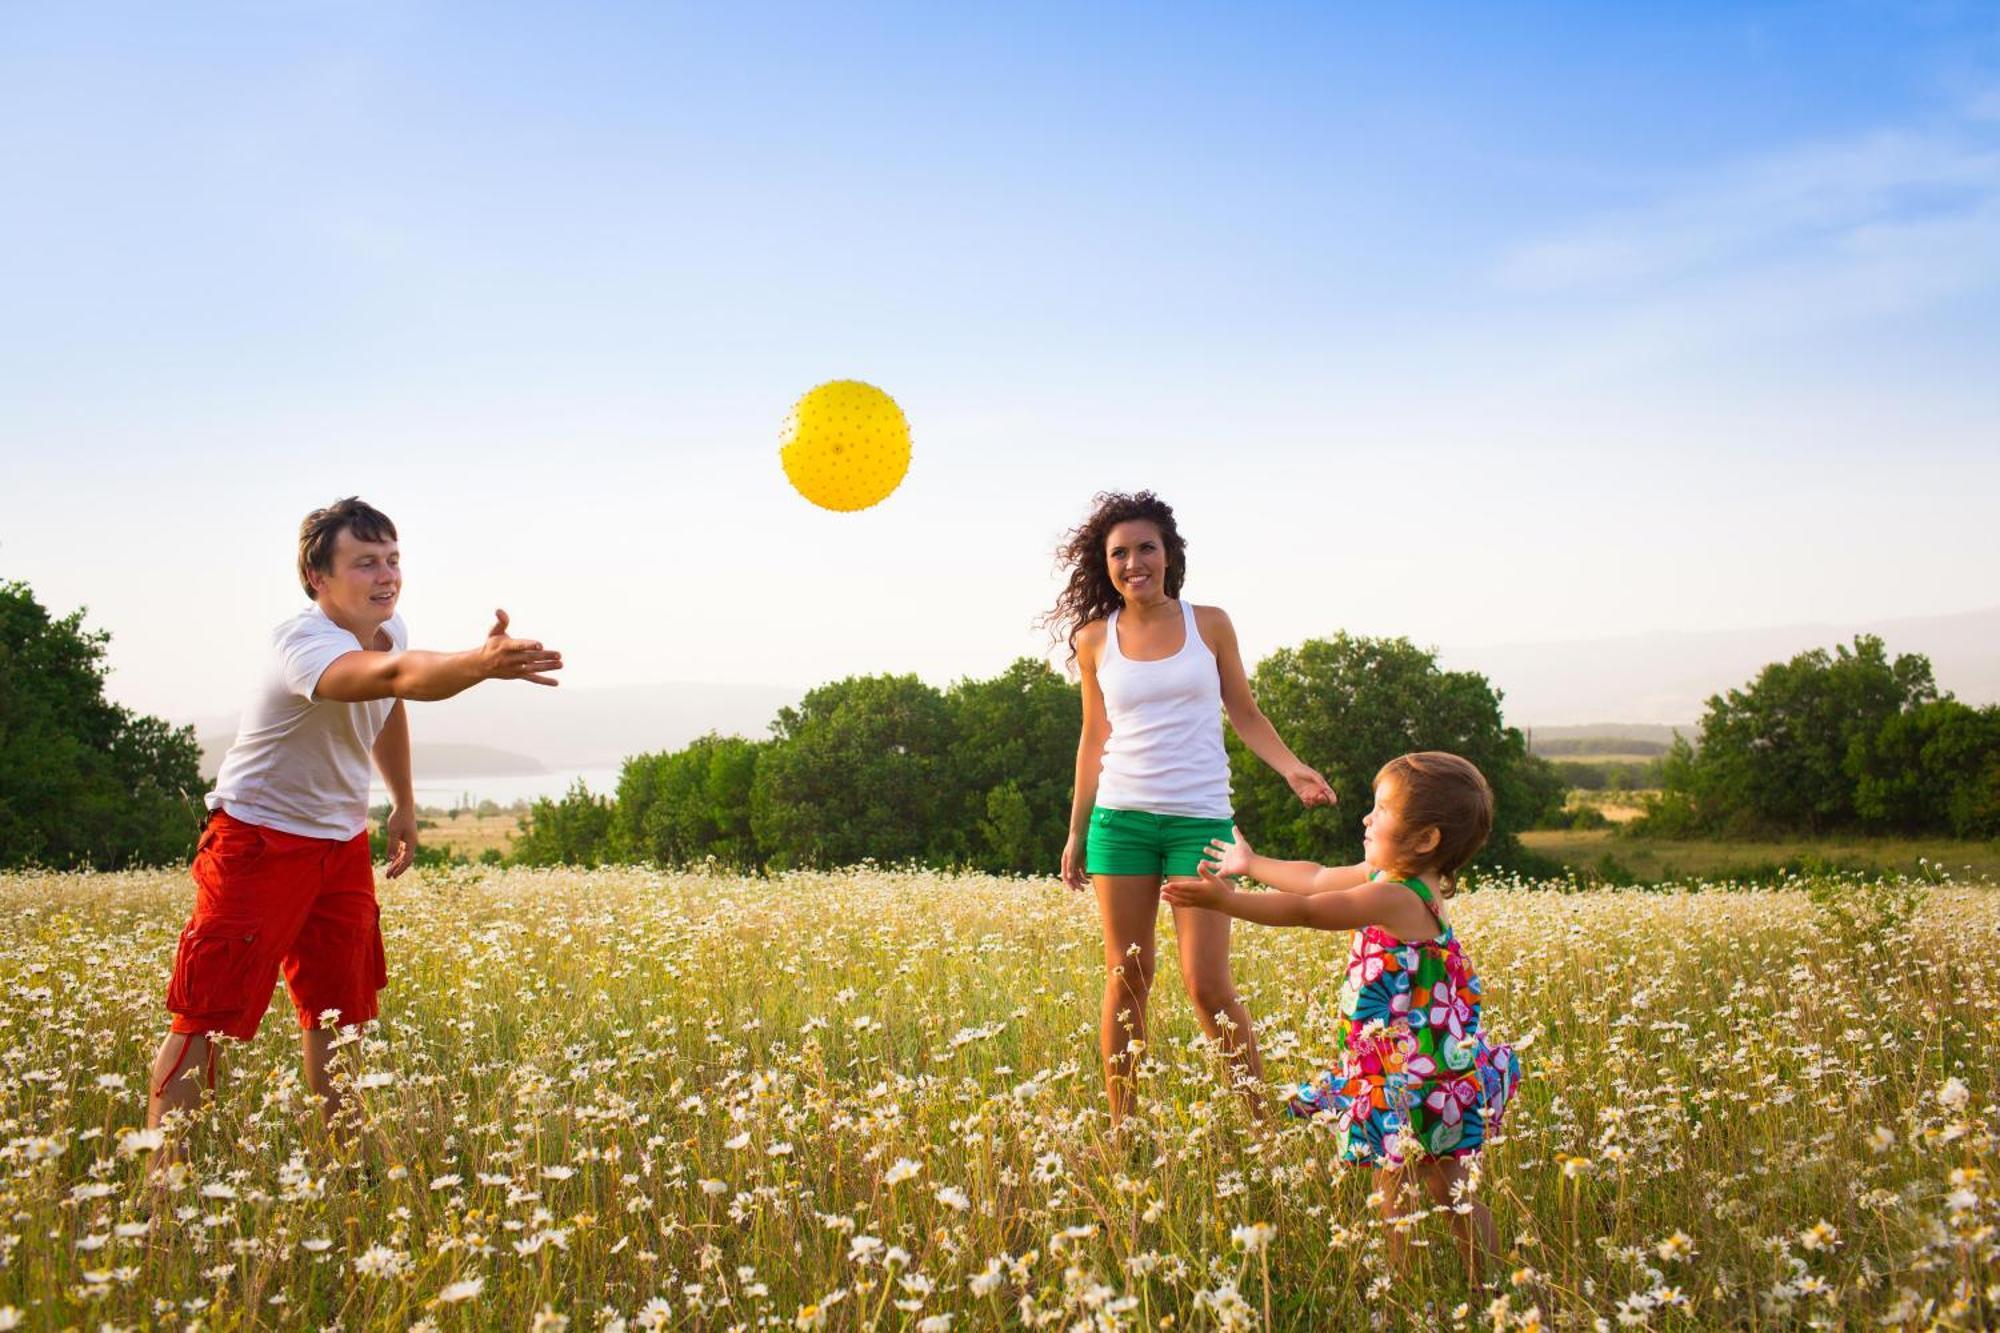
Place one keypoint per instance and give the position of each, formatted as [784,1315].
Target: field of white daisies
[627,1099]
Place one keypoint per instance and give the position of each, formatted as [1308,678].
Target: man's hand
[1230,858]
[504,658]
[359,676]
[1211,890]
[402,840]
[1311,789]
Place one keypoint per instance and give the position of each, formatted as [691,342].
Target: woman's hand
[1229,858]
[1209,891]
[1311,789]
[1073,873]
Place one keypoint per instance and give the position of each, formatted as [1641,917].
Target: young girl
[1419,1085]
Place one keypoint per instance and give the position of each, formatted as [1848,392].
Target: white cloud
[1821,239]
[1773,211]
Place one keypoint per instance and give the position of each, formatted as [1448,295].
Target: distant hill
[1602,738]
[1666,679]
[443,758]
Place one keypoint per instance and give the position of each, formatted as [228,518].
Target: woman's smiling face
[1136,559]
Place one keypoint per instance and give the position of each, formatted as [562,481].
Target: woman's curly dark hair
[1089,594]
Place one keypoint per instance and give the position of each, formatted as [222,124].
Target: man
[283,877]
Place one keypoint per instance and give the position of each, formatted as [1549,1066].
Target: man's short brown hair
[322,528]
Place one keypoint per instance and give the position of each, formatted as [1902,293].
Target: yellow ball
[846,445]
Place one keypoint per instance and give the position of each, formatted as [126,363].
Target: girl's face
[1136,559]
[1387,843]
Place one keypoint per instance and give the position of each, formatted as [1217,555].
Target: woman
[1152,778]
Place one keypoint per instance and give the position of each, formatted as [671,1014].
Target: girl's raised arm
[1365,904]
[1300,877]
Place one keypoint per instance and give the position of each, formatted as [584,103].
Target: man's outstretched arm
[360,676]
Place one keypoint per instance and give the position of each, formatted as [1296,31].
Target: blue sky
[1479,324]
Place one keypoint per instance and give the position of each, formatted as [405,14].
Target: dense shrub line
[890,769]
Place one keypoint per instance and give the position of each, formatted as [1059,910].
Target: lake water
[448,792]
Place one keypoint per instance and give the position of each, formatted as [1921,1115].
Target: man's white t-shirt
[300,763]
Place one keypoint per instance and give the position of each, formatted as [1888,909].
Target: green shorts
[1132,842]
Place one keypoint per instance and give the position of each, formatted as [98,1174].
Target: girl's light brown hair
[322,528]
[1444,792]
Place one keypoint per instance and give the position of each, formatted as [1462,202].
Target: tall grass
[628,1099]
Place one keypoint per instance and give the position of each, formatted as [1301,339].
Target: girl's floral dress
[1418,1077]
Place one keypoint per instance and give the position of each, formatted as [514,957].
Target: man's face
[367,578]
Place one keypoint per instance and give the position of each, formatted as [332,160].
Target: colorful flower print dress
[1417,1077]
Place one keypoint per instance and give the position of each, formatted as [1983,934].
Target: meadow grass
[1660,859]
[630,1099]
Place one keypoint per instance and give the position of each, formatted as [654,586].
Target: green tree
[1013,763]
[1934,768]
[688,805]
[83,781]
[1013,839]
[574,831]
[1774,756]
[859,770]
[1677,810]
[1974,811]
[1348,705]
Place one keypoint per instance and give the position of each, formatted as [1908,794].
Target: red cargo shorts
[266,900]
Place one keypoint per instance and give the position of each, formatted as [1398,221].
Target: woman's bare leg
[1204,950]
[1129,907]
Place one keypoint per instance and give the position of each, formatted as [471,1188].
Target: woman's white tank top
[1164,755]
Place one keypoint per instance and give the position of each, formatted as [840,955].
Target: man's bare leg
[317,1046]
[183,1067]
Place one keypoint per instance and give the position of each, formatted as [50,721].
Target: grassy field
[633,1100]
[1620,807]
[1609,757]
[1655,859]
[467,833]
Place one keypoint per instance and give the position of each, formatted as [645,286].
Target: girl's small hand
[1230,858]
[1311,789]
[1208,891]
[1072,865]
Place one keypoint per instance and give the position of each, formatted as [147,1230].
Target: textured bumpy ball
[846,445]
